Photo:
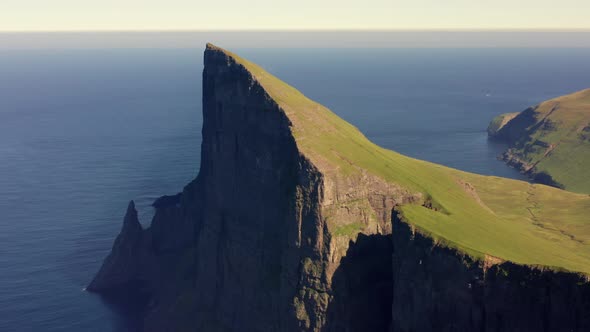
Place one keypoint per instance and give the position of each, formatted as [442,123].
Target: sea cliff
[549,142]
[297,223]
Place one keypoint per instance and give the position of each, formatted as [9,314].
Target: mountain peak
[213,47]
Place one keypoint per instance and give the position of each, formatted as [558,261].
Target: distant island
[297,222]
[550,142]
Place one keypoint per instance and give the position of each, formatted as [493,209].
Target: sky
[141,15]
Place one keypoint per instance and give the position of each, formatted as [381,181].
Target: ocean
[84,131]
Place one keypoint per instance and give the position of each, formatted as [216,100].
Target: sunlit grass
[508,219]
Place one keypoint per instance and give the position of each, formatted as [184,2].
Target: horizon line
[305,30]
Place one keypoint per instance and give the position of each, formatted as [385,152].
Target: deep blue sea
[84,131]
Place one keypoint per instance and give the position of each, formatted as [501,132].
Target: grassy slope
[512,220]
[560,122]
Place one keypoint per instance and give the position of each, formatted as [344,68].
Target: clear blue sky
[72,15]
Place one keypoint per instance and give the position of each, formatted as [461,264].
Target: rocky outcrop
[498,123]
[437,288]
[123,265]
[511,126]
[271,238]
[513,159]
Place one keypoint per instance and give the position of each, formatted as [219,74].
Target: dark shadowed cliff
[288,227]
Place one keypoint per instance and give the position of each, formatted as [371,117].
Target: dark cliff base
[130,301]
[363,287]
[404,282]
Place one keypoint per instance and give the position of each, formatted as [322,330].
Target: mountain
[297,222]
[551,141]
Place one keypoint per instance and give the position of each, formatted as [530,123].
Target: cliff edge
[295,216]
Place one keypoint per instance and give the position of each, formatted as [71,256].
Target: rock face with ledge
[281,230]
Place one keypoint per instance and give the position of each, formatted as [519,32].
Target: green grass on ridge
[512,220]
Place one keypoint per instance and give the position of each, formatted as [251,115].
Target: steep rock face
[251,178]
[280,234]
[253,242]
[274,224]
[439,289]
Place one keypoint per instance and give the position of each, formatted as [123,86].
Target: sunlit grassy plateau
[479,215]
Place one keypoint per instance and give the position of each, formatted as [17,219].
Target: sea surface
[84,131]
